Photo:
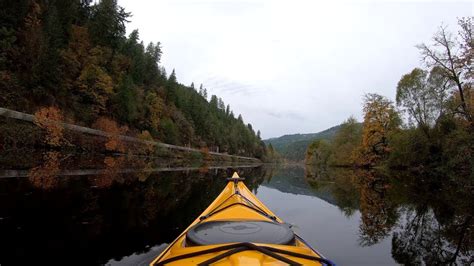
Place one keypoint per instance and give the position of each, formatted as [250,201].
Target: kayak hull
[237,203]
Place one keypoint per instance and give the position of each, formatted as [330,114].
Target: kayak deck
[237,215]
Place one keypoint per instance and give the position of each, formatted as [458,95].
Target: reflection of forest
[339,182]
[429,216]
[48,218]
[124,205]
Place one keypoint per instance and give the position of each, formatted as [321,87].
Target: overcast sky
[292,66]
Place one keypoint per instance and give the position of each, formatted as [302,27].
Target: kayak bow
[237,229]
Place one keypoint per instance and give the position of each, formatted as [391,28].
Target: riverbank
[22,132]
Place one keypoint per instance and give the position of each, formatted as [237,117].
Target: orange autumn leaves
[48,174]
[86,74]
[50,119]
[380,121]
[356,145]
[113,130]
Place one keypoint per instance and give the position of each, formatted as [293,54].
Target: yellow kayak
[237,229]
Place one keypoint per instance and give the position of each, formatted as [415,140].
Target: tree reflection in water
[429,217]
[45,175]
[421,239]
[95,209]
[437,226]
[109,173]
[378,213]
[342,185]
[53,215]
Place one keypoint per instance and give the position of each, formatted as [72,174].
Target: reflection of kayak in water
[237,229]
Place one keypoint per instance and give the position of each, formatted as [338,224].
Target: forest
[293,147]
[430,125]
[72,59]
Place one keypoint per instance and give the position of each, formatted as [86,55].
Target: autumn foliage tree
[154,110]
[114,132]
[437,103]
[50,119]
[75,54]
[85,75]
[380,121]
[148,147]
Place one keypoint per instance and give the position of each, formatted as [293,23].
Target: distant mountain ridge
[293,146]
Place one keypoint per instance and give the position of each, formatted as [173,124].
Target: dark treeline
[74,56]
[431,124]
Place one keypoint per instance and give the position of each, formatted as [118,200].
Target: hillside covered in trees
[74,55]
[431,124]
[293,147]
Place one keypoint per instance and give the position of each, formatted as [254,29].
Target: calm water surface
[122,211]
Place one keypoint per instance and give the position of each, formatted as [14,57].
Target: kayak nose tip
[235,178]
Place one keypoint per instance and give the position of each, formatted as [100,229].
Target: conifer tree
[107,23]
[201,91]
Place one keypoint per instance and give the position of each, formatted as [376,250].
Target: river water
[119,211]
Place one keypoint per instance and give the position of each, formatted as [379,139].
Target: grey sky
[292,66]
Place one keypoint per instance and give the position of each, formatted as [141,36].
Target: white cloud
[292,66]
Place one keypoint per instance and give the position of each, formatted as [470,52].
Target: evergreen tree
[171,88]
[74,53]
[107,23]
[201,91]
[172,78]
[127,101]
[221,104]
[227,110]
[214,102]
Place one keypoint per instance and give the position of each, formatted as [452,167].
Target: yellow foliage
[146,136]
[96,84]
[119,66]
[155,108]
[50,119]
[380,120]
[85,71]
